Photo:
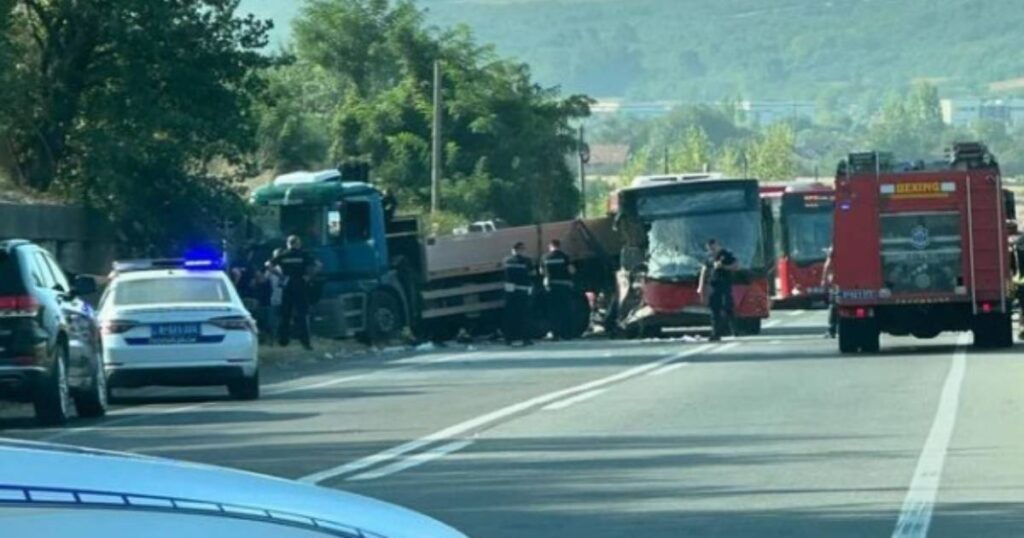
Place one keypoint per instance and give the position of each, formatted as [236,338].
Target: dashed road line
[795,313]
[489,419]
[571,401]
[724,347]
[668,368]
[413,461]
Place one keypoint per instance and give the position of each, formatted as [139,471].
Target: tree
[772,156]
[910,125]
[130,104]
[694,153]
[506,138]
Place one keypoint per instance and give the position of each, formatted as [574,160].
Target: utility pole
[665,160]
[583,152]
[435,161]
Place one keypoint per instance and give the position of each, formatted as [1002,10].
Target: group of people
[281,291]
[557,271]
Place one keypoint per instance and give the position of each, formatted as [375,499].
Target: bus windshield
[677,245]
[808,235]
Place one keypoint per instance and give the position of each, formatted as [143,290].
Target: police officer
[298,267]
[558,270]
[518,290]
[717,277]
[827,279]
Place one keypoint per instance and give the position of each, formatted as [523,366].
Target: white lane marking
[916,516]
[797,313]
[772,323]
[569,402]
[775,342]
[489,418]
[724,348]
[413,461]
[669,368]
[285,387]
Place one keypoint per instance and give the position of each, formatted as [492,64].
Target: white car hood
[37,465]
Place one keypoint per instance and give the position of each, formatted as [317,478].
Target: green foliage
[909,125]
[371,62]
[696,50]
[128,105]
[772,154]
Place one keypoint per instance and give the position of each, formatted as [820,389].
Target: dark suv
[49,341]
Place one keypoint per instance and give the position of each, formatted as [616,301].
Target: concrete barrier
[80,239]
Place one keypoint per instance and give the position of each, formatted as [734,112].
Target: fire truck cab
[921,249]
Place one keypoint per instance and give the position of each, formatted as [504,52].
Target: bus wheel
[748,326]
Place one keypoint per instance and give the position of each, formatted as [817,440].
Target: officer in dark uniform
[518,291]
[297,266]
[717,276]
[558,271]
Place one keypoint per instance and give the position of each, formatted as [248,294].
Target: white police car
[53,490]
[177,323]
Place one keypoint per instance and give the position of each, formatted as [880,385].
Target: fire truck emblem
[919,237]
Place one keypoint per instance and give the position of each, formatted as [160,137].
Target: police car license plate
[175,333]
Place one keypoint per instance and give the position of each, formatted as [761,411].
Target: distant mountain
[712,49]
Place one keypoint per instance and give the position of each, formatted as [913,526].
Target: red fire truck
[802,232]
[665,225]
[921,249]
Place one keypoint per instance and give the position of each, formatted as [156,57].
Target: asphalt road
[775,435]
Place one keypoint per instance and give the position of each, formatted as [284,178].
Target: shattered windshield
[677,245]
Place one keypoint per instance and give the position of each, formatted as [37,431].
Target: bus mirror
[631,258]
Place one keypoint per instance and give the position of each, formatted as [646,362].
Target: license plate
[175,333]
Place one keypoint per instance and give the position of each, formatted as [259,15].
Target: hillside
[703,50]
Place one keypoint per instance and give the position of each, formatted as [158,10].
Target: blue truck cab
[371,260]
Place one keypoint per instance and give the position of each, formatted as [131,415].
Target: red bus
[665,226]
[921,249]
[802,233]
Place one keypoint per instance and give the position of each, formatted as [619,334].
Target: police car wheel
[247,388]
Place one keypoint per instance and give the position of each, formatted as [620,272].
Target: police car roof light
[127,266]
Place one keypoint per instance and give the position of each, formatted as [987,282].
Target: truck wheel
[384,319]
[871,336]
[849,336]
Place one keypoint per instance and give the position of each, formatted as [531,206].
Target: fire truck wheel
[849,336]
[1004,331]
[992,331]
[870,337]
